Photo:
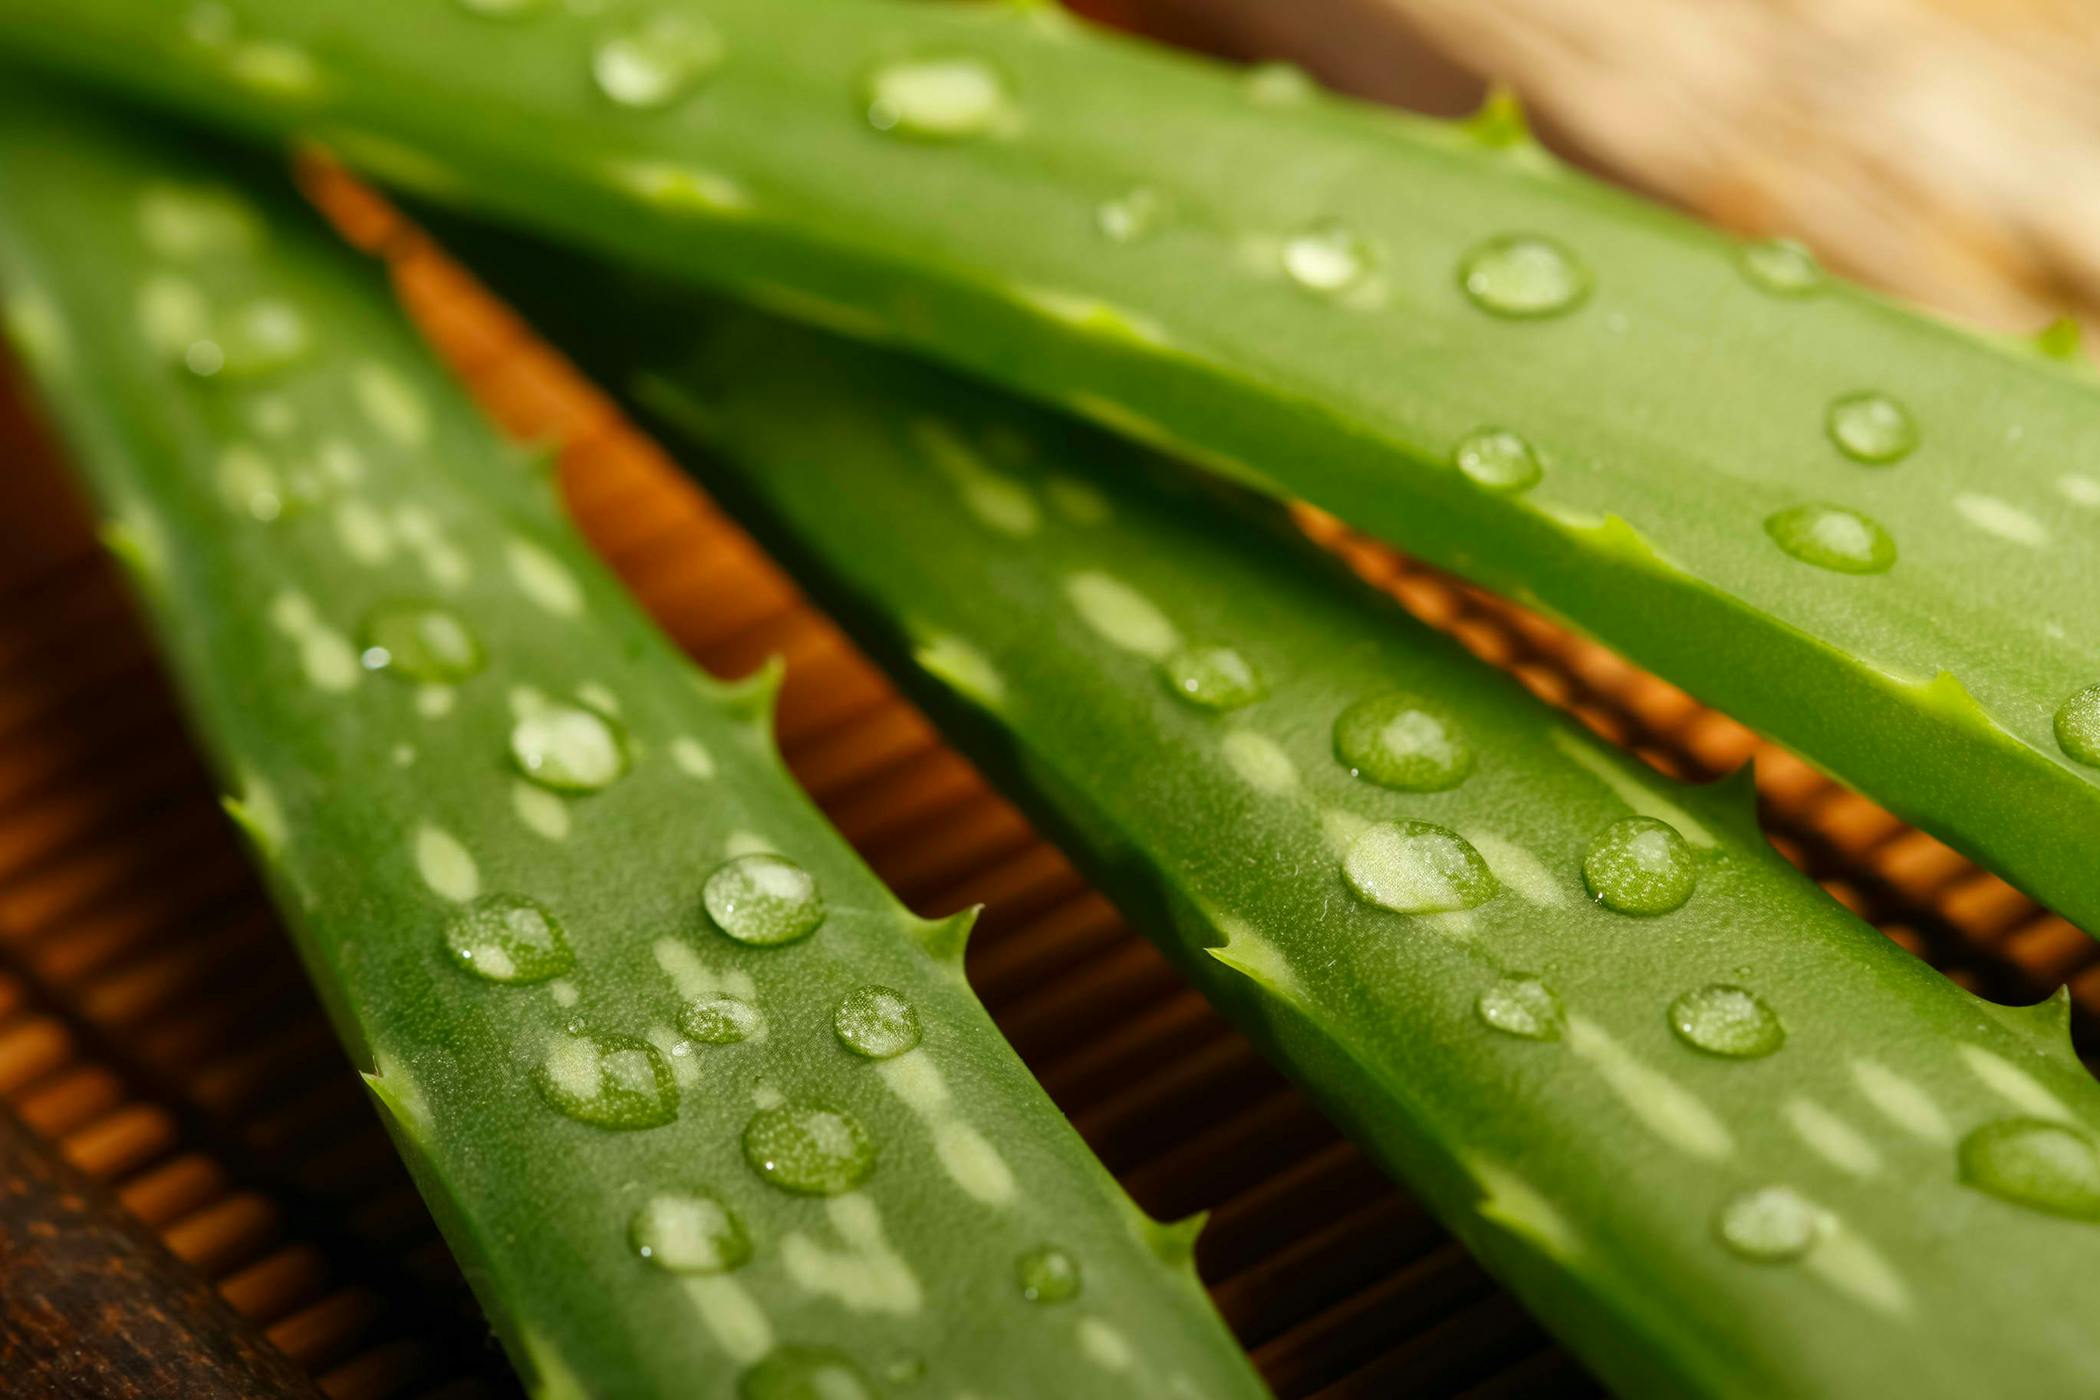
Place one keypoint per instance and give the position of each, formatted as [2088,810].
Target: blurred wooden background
[154,1028]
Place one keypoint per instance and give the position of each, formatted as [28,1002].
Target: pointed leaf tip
[1174,1241]
[2044,1025]
[1500,122]
[947,939]
[2062,339]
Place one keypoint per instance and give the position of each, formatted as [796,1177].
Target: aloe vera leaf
[1731,1141]
[1317,298]
[700,1107]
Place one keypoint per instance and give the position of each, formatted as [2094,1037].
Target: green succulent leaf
[1860,532]
[1723,1136]
[699,1106]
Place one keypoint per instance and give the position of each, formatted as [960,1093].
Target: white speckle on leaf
[692,757]
[445,864]
[2003,519]
[391,403]
[543,578]
[1832,1138]
[1669,1109]
[2015,1085]
[1902,1102]
[540,810]
[1120,614]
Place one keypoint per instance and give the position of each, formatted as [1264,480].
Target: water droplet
[689,1232]
[937,98]
[876,1022]
[1730,1021]
[805,1373]
[723,1020]
[1328,258]
[1781,267]
[809,1149]
[261,338]
[1413,867]
[1048,1275]
[1131,217]
[1523,275]
[1214,677]
[1498,459]
[424,642]
[1393,741]
[1831,537]
[1276,84]
[1771,1225]
[608,1081]
[764,900]
[203,358]
[2034,1163]
[2078,726]
[1522,1006]
[509,938]
[654,60]
[1871,428]
[1640,866]
[569,749]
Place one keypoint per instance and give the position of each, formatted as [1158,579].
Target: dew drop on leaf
[1130,217]
[1328,259]
[569,748]
[1782,267]
[1728,1021]
[1523,275]
[763,900]
[809,1149]
[1048,1274]
[656,59]
[1771,1225]
[1640,866]
[2034,1163]
[1871,428]
[943,98]
[689,1232]
[876,1022]
[423,642]
[1521,1006]
[1498,460]
[508,938]
[1415,867]
[1212,677]
[805,1373]
[723,1020]
[2078,726]
[1831,537]
[1395,741]
[260,338]
[608,1081]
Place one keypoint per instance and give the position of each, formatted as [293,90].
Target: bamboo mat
[154,1024]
